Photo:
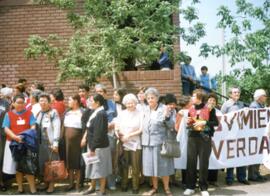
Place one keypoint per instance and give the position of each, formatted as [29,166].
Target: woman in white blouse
[128,130]
[73,135]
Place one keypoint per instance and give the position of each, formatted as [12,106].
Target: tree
[247,45]
[107,33]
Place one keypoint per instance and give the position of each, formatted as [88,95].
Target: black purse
[170,147]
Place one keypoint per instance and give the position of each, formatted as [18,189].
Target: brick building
[21,18]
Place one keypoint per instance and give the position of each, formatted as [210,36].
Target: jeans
[240,173]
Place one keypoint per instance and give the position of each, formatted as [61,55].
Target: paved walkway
[236,189]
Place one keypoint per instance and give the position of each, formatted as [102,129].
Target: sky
[207,10]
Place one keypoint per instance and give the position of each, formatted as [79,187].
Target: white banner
[241,139]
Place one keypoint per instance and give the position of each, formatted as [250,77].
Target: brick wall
[19,19]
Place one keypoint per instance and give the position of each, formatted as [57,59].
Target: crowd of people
[126,135]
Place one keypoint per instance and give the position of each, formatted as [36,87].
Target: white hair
[258,93]
[152,91]
[101,86]
[130,97]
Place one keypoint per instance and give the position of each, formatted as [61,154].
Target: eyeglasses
[19,102]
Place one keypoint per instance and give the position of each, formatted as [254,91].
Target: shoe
[244,182]
[34,193]
[204,193]
[255,179]
[229,183]
[168,192]
[213,184]
[112,188]
[20,192]
[89,191]
[42,187]
[3,188]
[124,189]
[70,188]
[135,191]
[262,178]
[153,191]
[189,192]
[100,193]
[49,192]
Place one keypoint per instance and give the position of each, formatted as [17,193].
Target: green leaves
[196,29]
[190,14]
[107,34]
[248,45]
[39,46]
[64,4]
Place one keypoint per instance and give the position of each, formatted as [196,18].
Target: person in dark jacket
[200,124]
[212,105]
[98,145]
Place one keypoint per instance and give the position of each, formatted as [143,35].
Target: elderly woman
[98,145]
[128,130]
[49,125]
[73,135]
[157,122]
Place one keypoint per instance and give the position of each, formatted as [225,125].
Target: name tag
[21,122]
[46,123]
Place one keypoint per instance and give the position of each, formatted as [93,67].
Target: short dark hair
[184,100]
[58,94]
[200,94]
[22,80]
[40,86]
[99,98]
[170,98]
[84,86]
[19,96]
[142,88]
[204,68]
[45,95]
[213,95]
[187,59]
[20,87]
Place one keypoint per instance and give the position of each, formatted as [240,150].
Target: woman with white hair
[157,122]
[260,99]
[128,130]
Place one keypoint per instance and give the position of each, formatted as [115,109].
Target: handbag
[55,170]
[170,147]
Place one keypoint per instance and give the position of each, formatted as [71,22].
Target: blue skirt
[154,164]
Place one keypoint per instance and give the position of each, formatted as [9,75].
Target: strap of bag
[46,134]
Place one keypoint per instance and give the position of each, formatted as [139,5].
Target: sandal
[152,192]
[89,191]
[70,187]
[168,192]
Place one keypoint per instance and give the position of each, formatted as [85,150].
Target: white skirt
[9,165]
